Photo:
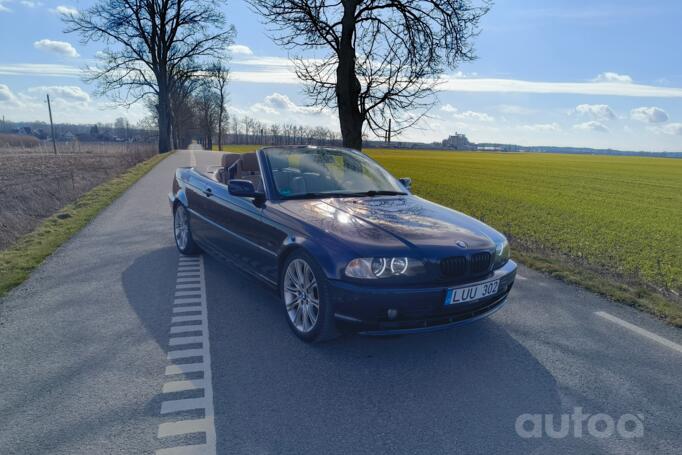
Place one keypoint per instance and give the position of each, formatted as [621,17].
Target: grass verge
[614,288]
[19,260]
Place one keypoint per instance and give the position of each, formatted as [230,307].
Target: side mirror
[407,182]
[243,188]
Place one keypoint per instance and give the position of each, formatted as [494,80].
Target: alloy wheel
[301,295]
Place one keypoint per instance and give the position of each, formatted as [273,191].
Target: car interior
[241,166]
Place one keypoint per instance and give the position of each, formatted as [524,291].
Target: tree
[150,44]
[220,77]
[374,59]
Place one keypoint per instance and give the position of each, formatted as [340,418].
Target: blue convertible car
[343,241]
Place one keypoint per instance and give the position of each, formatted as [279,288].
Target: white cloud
[40,69]
[575,88]
[555,127]
[649,114]
[69,93]
[613,77]
[3,8]
[592,125]
[672,129]
[596,111]
[240,49]
[30,3]
[448,108]
[58,47]
[475,116]
[7,97]
[276,103]
[65,10]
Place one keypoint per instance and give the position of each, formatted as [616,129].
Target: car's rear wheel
[305,296]
[182,232]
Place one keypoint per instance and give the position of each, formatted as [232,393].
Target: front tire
[304,293]
[183,233]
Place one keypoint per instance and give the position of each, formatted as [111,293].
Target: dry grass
[35,185]
[17,262]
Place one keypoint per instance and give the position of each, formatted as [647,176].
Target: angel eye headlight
[373,268]
[501,253]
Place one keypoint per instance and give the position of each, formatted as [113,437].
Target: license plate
[471,293]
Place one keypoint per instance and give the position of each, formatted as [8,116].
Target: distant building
[458,142]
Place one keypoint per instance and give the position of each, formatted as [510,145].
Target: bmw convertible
[344,242]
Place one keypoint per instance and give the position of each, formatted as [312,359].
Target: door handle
[208,192]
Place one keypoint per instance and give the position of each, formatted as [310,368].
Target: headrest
[250,162]
[228,159]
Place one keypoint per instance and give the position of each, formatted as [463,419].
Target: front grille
[479,263]
[455,266]
[461,266]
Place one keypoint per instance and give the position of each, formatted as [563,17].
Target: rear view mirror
[407,182]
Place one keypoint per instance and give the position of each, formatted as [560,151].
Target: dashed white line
[185,368]
[184,336]
[640,331]
[181,386]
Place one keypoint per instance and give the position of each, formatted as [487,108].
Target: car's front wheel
[305,296]
[182,232]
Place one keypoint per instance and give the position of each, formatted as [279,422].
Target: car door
[196,188]
[239,227]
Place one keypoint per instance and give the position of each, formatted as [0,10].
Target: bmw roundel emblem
[461,244]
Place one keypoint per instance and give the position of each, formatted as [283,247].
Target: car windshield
[318,172]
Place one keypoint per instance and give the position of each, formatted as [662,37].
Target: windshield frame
[275,194]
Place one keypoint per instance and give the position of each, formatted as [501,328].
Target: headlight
[372,268]
[501,253]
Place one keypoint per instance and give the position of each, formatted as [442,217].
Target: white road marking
[186,293]
[521,277]
[185,427]
[198,449]
[185,300]
[175,319]
[179,341]
[187,280]
[186,309]
[185,328]
[187,286]
[181,386]
[182,305]
[186,404]
[184,368]
[184,353]
[640,331]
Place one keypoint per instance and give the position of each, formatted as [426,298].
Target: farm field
[620,217]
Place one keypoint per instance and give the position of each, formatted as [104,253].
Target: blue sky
[582,73]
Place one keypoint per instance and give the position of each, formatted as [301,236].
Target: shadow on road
[458,391]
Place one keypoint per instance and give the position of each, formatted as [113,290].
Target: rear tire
[304,293]
[183,233]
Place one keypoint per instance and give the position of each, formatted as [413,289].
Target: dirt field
[35,184]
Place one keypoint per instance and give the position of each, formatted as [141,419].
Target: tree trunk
[165,129]
[347,84]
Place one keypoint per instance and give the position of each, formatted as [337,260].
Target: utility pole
[389,131]
[49,109]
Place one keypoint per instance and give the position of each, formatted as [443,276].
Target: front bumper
[366,308]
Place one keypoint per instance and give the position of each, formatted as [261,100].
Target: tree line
[376,62]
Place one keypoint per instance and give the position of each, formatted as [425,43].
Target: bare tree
[206,105]
[220,77]
[374,60]
[149,42]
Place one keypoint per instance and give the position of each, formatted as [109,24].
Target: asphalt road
[84,364]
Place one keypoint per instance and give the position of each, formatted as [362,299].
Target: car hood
[394,220]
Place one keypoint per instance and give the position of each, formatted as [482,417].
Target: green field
[589,219]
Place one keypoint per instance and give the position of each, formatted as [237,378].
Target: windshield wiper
[332,194]
[372,193]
